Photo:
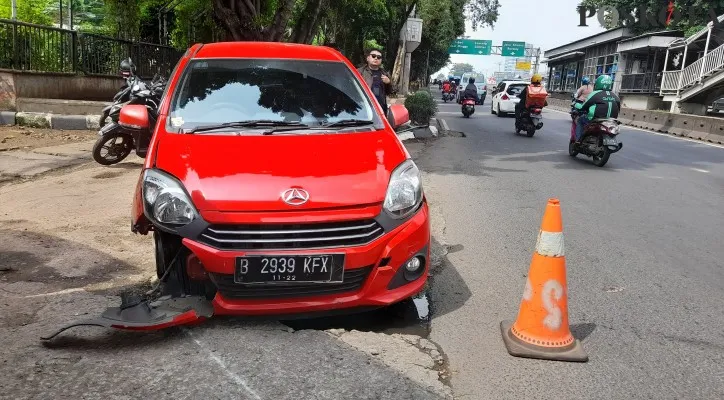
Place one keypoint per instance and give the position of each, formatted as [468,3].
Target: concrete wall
[642,102]
[707,129]
[55,86]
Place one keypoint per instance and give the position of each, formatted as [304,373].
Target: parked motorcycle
[598,141]
[529,121]
[468,107]
[116,141]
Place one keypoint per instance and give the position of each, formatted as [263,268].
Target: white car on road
[505,97]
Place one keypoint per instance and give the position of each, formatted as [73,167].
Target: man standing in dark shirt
[376,78]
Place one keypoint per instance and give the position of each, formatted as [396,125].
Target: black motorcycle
[599,140]
[116,142]
[529,121]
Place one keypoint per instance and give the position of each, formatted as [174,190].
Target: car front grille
[292,236]
[353,281]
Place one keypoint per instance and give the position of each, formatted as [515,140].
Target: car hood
[250,173]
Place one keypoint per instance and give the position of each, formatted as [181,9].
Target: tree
[689,16]
[461,68]
[254,20]
[34,12]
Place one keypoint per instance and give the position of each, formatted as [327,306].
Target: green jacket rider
[602,103]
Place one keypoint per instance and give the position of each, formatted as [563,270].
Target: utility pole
[14,9]
[60,10]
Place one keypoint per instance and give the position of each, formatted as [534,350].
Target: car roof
[515,82]
[267,50]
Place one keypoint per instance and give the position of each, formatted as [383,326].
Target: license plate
[609,141]
[321,268]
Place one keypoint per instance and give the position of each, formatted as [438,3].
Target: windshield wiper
[348,122]
[246,124]
[345,123]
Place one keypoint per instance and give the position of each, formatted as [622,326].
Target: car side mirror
[134,116]
[398,115]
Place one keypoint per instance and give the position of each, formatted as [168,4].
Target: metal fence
[30,47]
[649,82]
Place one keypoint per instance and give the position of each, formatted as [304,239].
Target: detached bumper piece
[136,314]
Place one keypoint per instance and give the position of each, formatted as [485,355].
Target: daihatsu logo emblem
[295,197]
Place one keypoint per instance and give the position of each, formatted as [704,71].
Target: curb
[54,121]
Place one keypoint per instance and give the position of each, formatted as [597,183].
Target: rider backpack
[536,96]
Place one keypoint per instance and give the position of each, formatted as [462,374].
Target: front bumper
[383,258]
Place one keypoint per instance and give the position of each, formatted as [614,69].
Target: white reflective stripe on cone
[550,244]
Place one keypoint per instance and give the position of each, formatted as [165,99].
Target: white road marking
[236,378]
[65,291]
[700,170]
[668,135]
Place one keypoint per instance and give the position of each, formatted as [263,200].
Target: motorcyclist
[446,87]
[585,90]
[471,91]
[601,103]
[535,80]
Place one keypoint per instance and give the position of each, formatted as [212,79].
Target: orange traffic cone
[541,330]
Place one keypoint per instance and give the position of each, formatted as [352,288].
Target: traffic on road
[286,241]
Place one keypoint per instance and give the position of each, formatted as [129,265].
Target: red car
[275,185]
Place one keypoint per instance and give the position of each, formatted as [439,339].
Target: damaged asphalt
[67,253]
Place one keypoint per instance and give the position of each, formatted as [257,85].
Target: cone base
[518,348]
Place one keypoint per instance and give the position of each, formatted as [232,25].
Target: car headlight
[165,200]
[404,192]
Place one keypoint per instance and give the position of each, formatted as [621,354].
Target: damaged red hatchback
[275,185]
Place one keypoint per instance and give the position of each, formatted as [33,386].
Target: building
[641,63]
[636,64]
[591,56]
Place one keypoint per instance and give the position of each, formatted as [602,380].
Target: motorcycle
[448,96]
[116,142]
[468,107]
[598,141]
[529,121]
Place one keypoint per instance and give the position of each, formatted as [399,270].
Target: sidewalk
[25,153]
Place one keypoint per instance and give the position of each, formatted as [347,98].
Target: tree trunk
[397,68]
[306,27]
[238,17]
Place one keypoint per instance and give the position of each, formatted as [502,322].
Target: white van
[480,83]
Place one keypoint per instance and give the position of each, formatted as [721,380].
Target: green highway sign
[513,49]
[471,46]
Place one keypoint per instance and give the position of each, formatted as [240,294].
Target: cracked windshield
[361,199]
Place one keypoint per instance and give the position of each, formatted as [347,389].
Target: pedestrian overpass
[698,78]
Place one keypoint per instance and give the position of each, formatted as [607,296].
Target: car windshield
[313,93]
[515,89]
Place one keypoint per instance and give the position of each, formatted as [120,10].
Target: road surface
[644,252]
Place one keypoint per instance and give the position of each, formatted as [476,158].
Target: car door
[499,90]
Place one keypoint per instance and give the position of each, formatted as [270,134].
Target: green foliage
[32,11]
[461,68]
[421,107]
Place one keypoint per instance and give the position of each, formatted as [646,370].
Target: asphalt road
[645,260]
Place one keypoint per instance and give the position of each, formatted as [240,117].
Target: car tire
[498,113]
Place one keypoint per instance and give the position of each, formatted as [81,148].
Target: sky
[545,24]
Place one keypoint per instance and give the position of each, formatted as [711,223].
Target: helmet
[586,81]
[537,78]
[472,80]
[603,82]
[127,67]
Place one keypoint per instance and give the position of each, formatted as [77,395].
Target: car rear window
[515,89]
[228,90]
